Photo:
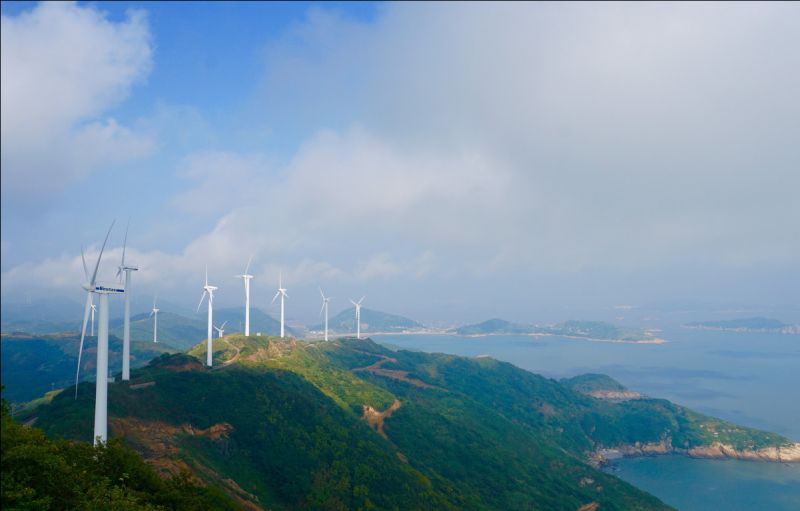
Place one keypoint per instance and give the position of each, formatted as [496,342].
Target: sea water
[752,379]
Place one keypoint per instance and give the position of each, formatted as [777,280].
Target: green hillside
[371,321]
[33,364]
[285,424]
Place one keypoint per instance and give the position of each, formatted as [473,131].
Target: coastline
[789,453]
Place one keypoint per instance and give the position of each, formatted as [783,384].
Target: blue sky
[496,159]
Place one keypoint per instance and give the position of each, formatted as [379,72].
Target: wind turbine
[154,315]
[246,279]
[94,308]
[101,393]
[208,290]
[282,293]
[325,304]
[221,330]
[126,329]
[358,316]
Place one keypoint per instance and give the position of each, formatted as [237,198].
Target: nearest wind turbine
[282,293]
[246,277]
[208,290]
[220,330]
[94,308]
[154,315]
[358,316]
[325,304]
[126,328]
[101,393]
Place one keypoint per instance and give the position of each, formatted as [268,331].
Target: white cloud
[63,67]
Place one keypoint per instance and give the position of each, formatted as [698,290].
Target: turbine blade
[201,301]
[362,299]
[275,297]
[321,293]
[125,243]
[206,274]
[323,308]
[351,301]
[83,335]
[151,314]
[97,266]
[248,265]
[85,269]
[223,324]
[154,301]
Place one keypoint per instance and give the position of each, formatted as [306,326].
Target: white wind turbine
[325,304]
[221,330]
[101,385]
[94,308]
[126,328]
[246,277]
[282,293]
[208,290]
[154,315]
[358,316]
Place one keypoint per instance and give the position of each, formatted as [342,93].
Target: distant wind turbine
[282,293]
[221,330]
[101,386]
[358,316]
[154,315]
[246,277]
[208,290]
[325,304]
[126,328]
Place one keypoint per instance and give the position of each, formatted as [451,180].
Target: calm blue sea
[750,379]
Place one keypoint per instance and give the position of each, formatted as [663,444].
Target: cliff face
[789,453]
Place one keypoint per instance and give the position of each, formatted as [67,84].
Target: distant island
[757,324]
[589,330]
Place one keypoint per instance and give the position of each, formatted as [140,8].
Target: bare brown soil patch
[375,418]
[592,506]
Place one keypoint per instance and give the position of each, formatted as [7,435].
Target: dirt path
[232,360]
[392,373]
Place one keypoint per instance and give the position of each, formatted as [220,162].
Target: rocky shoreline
[789,453]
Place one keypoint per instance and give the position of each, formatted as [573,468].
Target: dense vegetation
[349,424]
[34,364]
[41,473]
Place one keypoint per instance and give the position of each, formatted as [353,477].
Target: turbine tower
[325,304]
[154,315]
[101,385]
[126,328]
[358,316]
[282,293]
[246,277]
[220,330]
[208,290]
[94,309]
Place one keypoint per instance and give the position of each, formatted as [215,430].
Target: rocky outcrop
[789,453]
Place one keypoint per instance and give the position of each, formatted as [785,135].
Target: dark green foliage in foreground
[40,473]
